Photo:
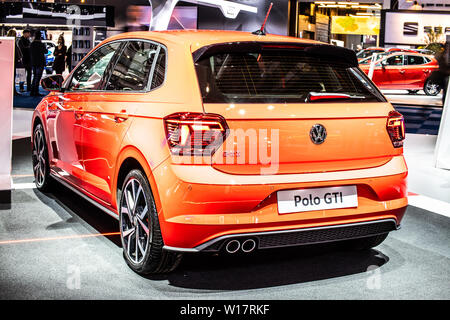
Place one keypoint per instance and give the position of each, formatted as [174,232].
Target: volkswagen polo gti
[209,141]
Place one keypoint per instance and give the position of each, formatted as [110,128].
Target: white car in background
[49,57]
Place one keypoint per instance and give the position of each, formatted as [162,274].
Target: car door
[416,73]
[64,133]
[107,113]
[66,139]
[393,71]
[379,76]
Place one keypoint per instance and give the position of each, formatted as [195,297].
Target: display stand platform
[442,151]
[6,114]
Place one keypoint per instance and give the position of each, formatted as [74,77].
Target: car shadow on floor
[272,268]
[81,211]
[262,269]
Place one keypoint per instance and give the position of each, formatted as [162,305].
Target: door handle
[55,105]
[402,71]
[121,117]
[79,113]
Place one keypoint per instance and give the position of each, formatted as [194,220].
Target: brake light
[195,133]
[396,128]
[317,96]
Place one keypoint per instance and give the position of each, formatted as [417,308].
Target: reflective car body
[49,57]
[365,53]
[403,70]
[95,136]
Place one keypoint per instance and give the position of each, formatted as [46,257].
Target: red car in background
[368,52]
[404,71]
[392,50]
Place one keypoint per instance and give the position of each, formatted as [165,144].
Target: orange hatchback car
[209,141]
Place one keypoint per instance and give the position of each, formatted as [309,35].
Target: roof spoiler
[316,50]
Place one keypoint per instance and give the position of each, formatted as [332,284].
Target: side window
[414,60]
[160,70]
[88,76]
[396,60]
[132,70]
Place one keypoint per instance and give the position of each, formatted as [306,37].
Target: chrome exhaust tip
[233,246]
[248,245]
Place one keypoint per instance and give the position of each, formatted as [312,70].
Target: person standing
[69,59]
[440,76]
[17,56]
[24,45]
[59,64]
[38,51]
[444,69]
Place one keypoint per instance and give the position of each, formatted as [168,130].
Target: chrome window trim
[152,72]
[68,80]
[147,88]
[149,80]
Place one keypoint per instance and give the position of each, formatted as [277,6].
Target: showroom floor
[58,246]
[418,99]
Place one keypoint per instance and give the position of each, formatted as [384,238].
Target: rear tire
[39,158]
[140,231]
[431,88]
[366,243]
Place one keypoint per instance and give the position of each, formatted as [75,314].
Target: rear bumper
[200,205]
[303,236]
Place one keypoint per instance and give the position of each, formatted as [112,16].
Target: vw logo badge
[318,134]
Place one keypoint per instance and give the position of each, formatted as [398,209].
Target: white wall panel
[6,106]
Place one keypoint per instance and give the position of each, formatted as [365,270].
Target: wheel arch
[131,158]
[34,122]
[38,118]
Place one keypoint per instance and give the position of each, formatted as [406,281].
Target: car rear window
[367,53]
[279,76]
[415,60]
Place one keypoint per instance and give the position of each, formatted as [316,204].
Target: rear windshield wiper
[320,96]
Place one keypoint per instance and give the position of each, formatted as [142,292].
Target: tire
[366,243]
[431,88]
[140,231]
[413,91]
[40,161]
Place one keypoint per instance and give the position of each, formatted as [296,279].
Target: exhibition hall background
[45,238]
[388,25]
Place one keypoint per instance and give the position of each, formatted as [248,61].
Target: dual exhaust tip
[246,246]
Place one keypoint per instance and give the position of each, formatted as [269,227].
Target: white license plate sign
[290,201]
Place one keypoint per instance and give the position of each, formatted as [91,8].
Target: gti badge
[318,134]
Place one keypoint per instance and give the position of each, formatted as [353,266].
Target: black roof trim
[319,50]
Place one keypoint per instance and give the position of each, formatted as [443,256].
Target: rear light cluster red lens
[195,133]
[396,128]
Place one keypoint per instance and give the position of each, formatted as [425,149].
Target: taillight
[396,128]
[195,133]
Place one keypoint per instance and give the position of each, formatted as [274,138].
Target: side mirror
[384,64]
[52,83]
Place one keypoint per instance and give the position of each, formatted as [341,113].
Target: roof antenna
[262,31]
